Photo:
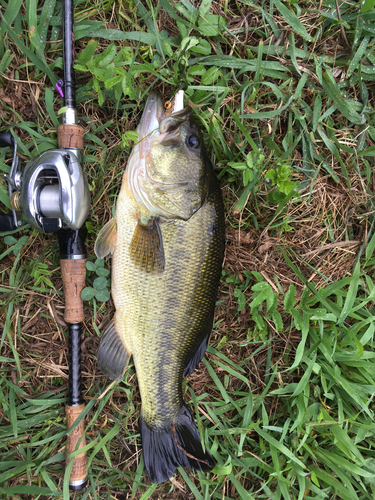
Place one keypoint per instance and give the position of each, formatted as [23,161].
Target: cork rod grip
[79,474]
[70,136]
[73,274]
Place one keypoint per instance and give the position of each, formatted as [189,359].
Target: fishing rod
[52,194]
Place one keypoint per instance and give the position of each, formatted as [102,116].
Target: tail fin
[167,448]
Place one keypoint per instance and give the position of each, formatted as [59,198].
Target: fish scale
[155,339]
[170,204]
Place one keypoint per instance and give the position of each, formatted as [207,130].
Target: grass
[284,94]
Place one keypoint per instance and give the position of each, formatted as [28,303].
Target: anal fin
[113,358]
[106,240]
[146,247]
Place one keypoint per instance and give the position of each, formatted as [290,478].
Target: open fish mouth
[155,118]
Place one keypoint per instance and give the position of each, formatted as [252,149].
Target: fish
[167,243]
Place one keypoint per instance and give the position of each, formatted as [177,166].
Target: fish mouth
[178,107]
[152,116]
[155,118]
[170,126]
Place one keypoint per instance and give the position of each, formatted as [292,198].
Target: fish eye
[192,141]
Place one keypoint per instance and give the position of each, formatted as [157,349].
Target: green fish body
[167,245]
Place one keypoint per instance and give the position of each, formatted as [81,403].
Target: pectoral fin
[113,358]
[146,247]
[106,240]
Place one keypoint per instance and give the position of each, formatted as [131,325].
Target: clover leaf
[100,286]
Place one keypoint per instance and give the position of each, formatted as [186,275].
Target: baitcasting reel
[51,191]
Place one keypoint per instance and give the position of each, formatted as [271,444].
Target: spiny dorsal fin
[146,247]
[106,239]
[113,358]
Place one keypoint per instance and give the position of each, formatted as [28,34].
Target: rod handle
[73,272]
[78,476]
[70,136]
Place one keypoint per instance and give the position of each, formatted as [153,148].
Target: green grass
[284,95]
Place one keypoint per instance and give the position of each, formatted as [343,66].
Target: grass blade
[292,20]
[342,105]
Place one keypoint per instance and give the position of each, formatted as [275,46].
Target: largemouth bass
[167,246]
